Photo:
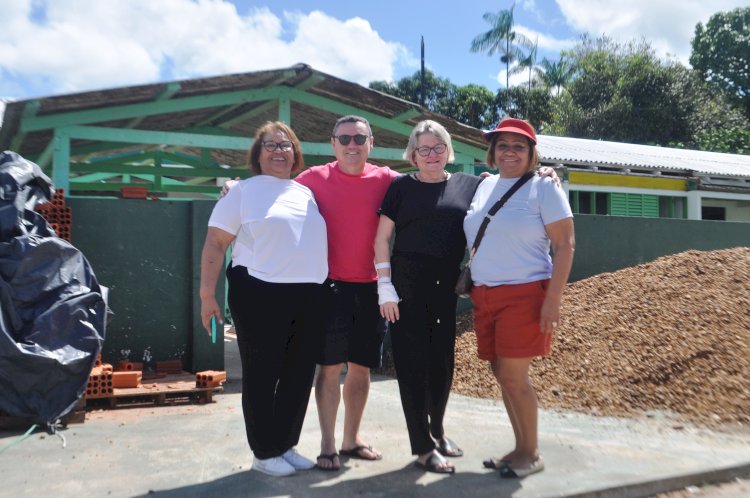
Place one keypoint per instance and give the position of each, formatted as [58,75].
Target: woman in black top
[426,211]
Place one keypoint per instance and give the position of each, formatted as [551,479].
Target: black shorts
[354,329]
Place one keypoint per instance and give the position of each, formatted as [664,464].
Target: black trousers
[278,330]
[423,342]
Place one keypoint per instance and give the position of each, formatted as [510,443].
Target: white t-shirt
[280,234]
[515,247]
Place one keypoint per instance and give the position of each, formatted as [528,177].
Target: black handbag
[464,284]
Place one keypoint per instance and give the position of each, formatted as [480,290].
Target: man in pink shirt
[349,191]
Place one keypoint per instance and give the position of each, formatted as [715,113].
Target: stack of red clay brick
[103,378]
[100,380]
[57,214]
[210,378]
[128,374]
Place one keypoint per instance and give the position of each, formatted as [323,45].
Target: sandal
[448,448]
[509,472]
[331,457]
[357,453]
[433,464]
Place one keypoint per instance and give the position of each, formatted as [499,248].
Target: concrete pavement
[201,450]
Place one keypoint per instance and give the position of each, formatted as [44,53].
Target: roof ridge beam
[150,108]
[125,135]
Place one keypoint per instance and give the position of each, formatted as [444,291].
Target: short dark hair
[271,127]
[351,118]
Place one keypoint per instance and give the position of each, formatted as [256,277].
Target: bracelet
[383,265]
[384,280]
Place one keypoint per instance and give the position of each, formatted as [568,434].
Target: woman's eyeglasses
[345,139]
[272,146]
[438,149]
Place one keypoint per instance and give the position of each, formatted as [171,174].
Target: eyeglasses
[345,139]
[438,149]
[272,146]
[517,148]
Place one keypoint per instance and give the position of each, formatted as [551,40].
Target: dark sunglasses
[345,139]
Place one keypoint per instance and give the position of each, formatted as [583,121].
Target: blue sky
[50,47]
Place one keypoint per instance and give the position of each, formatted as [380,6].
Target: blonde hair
[434,128]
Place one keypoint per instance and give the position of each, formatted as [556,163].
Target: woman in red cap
[517,285]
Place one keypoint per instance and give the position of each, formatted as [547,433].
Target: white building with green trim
[618,179]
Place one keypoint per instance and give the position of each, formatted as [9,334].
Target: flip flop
[331,458]
[509,472]
[448,448]
[431,465]
[357,454]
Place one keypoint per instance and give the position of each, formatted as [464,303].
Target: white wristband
[384,280]
[383,265]
[387,293]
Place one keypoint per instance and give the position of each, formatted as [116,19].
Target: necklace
[446,175]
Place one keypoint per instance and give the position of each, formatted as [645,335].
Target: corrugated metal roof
[614,154]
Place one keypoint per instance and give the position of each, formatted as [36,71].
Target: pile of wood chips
[671,336]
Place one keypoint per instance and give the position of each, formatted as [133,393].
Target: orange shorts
[506,320]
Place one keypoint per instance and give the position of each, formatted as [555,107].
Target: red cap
[513,125]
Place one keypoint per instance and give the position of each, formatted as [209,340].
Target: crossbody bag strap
[494,209]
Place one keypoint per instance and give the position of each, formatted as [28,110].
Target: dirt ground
[733,489]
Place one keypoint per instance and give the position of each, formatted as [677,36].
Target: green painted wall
[148,253]
[610,243]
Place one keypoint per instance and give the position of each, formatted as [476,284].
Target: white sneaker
[296,460]
[276,466]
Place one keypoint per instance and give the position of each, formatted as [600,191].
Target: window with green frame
[621,204]
[589,202]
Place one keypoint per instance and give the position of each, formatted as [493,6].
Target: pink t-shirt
[349,205]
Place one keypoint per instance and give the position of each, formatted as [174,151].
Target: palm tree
[556,74]
[501,39]
[528,62]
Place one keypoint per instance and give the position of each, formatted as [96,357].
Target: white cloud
[667,24]
[546,42]
[351,49]
[518,79]
[76,45]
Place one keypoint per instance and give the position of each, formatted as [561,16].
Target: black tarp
[53,315]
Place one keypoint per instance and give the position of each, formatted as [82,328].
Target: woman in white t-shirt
[517,286]
[279,263]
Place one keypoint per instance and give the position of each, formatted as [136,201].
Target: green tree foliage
[555,75]
[534,104]
[473,105]
[625,94]
[502,39]
[621,93]
[438,91]
[714,123]
[721,53]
